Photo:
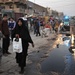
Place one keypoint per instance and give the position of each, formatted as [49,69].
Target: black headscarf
[20,19]
[22,31]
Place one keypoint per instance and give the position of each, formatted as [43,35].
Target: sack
[17,45]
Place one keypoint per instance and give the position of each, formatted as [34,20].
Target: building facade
[35,9]
[15,8]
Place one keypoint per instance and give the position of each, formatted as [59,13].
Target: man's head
[5,17]
[11,19]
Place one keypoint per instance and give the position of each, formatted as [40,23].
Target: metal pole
[27,8]
[34,8]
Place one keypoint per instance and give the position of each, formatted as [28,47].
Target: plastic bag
[17,45]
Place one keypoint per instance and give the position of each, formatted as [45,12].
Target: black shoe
[22,71]
[1,71]
[8,53]
[39,34]
[36,35]
[5,54]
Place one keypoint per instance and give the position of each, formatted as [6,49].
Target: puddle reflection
[56,61]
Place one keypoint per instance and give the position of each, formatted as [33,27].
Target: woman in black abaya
[21,31]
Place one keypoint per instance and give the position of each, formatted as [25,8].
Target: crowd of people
[39,26]
[18,30]
[21,29]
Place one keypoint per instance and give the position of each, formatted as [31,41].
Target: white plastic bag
[17,46]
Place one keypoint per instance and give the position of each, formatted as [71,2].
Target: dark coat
[37,25]
[4,28]
[23,33]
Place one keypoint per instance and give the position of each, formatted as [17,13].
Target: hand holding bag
[17,45]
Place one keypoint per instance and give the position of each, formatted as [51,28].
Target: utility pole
[34,8]
[27,7]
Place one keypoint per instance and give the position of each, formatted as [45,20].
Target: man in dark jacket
[37,27]
[5,32]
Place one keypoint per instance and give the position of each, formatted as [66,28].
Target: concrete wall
[35,9]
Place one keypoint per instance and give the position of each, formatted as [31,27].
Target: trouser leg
[6,42]
[3,45]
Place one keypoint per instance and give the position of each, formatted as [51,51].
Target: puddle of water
[56,61]
[60,60]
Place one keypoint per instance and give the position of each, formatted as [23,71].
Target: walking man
[5,32]
[37,27]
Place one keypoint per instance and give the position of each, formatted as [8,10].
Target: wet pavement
[60,61]
[35,56]
[51,56]
[55,62]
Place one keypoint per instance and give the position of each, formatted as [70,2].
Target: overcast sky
[66,6]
